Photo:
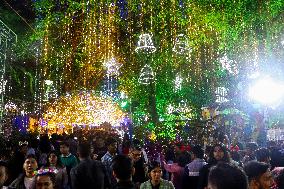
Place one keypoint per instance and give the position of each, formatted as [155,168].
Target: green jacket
[69,161]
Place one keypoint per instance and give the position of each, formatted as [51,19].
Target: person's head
[45,181]
[183,158]
[136,143]
[259,175]
[263,155]
[84,150]
[30,165]
[122,167]
[219,153]
[155,172]
[197,152]
[3,173]
[235,155]
[226,176]
[53,159]
[135,153]
[177,148]
[279,178]
[251,147]
[111,144]
[64,148]
[99,142]
[23,147]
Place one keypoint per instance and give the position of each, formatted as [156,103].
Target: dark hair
[198,151]
[252,146]
[122,167]
[255,169]
[262,154]
[64,143]
[31,156]
[236,156]
[226,157]
[51,175]
[5,164]
[136,145]
[110,141]
[138,148]
[44,144]
[183,158]
[152,165]
[227,176]
[59,163]
[84,149]
[279,179]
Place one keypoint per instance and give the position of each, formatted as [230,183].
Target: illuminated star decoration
[112,67]
[181,45]
[145,44]
[146,75]
[221,94]
[229,65]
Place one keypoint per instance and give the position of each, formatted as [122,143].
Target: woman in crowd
[218,154]
[155,181]
[55,164]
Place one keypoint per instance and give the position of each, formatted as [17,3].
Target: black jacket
[19,182]
[89,174]
[124,185]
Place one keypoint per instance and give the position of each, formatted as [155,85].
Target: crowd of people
[106,162]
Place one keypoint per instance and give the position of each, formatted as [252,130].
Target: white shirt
[29,182]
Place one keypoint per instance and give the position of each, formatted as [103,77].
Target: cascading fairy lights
[94,32]
[83,109]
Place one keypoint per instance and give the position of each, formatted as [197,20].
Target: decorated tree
[174,56]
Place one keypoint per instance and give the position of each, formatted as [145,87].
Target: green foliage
[213,27]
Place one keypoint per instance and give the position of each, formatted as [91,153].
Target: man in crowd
[88,174]
[263,155]
[17,160]
[123,170]
[191,171]
[111,144]
[251,147]
[135,154]
[259,175]
[45,180]
[227,176]
[3,174]
[68,160]
[26,180]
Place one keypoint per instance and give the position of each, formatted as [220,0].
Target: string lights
[181,45]
[147,75]
[93,36]
[145,44]
[83,109]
